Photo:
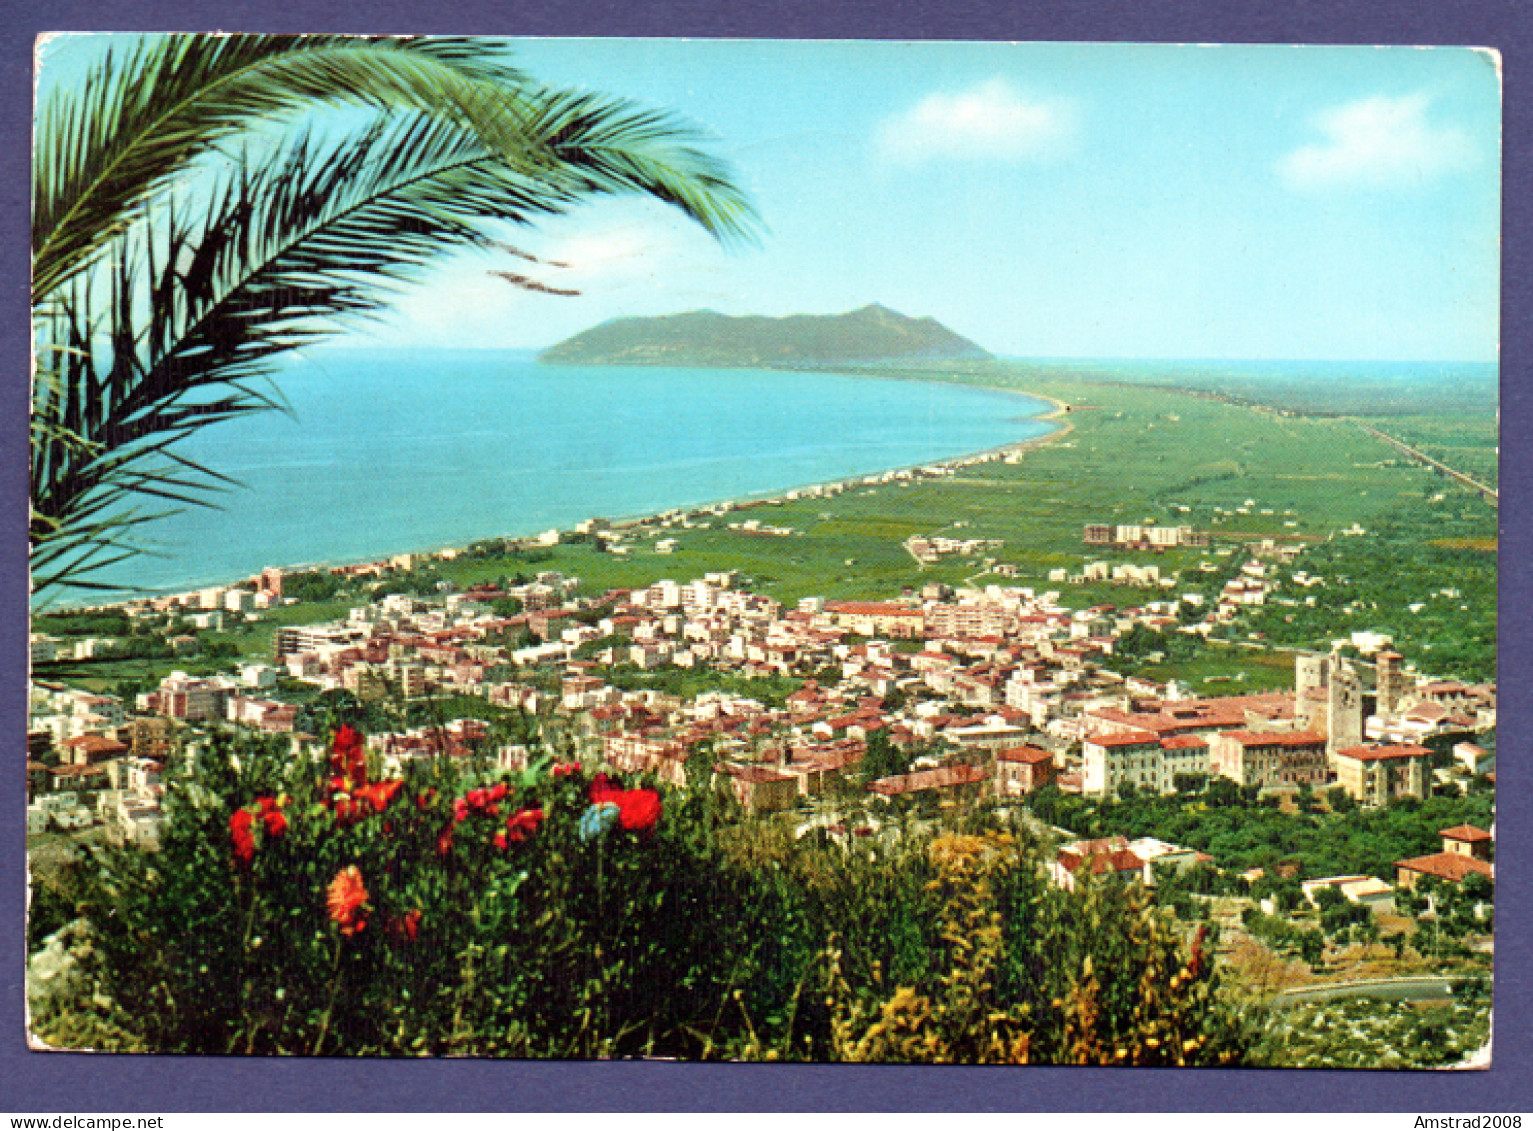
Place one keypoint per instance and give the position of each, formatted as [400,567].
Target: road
[1428,988]
[1420,456]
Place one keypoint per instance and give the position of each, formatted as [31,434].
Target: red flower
[483,802]
[638,809]
[501,840]
[444,842]
[272,818]
[346,899]
[240,834]
[380,793]
[347,758]
[565,769]
[523,824]
[604,790]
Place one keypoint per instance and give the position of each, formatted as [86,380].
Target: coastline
[1057,417]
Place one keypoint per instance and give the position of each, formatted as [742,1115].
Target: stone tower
[1391,683]
[1309,680]
[1343,706]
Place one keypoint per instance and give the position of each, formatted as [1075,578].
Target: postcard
[753,550]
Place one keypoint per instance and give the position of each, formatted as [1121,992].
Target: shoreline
[1057,417]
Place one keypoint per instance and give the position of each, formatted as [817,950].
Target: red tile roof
[871,608]
[758,774]
[1381,753]
[1467,833]
[1024,753]
[78,771]
[95,744]
[1452,866]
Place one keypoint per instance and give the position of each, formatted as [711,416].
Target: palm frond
[611,145]
[194,300]
[143,115]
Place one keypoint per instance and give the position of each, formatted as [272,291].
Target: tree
[202,205]
[1339,800]
[882,759]
[1312,948]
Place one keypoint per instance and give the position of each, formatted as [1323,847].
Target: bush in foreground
[306,908]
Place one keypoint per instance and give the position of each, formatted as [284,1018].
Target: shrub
[309,907]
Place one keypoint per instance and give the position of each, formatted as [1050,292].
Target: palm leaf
[143,115]
[198,302]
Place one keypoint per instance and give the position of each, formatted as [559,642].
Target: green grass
[1465,443]
[1227,671]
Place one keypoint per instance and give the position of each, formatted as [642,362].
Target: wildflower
[347,811]
[598,819]
[523,824]
[273,820]
[483,802]
[603,789]
[379,794]
[347,757]
[346,898]
[240,834]
[638,809]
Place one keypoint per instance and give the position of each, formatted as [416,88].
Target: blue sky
[1046,200]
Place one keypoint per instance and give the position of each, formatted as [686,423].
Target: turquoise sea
[392,451]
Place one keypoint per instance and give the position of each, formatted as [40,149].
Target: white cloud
[989,121]
[1377,142]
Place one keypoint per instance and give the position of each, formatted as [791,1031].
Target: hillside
[706,338]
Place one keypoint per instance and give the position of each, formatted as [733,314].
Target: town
[934,697]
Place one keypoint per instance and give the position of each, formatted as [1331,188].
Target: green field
[1466,443]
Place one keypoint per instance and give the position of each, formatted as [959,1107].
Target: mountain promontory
[707,339]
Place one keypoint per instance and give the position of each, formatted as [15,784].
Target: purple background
[51,1082]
